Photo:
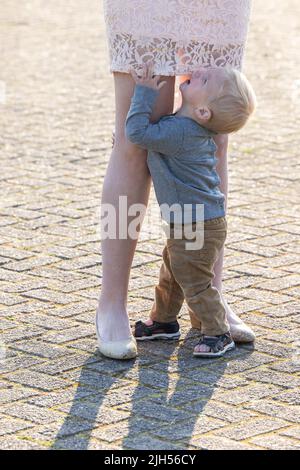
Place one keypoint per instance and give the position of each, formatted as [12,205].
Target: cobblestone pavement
[56,389]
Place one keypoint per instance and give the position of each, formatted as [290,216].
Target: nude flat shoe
[123,349]
[242,333]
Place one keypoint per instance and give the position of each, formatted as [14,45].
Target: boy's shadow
[179,414]
[156,416]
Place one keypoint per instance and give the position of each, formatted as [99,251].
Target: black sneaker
[218,345]
[158,330]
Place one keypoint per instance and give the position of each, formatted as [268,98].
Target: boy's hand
[147,78]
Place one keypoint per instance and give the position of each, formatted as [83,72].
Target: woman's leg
[127,175]
[222,170]
[240,331]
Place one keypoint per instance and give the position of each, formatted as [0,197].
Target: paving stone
[51,296]
[75,309]
[48,322]
[26,285]
[14,253]
[146,442]
[15,443]
[290,366]
[131,427]
[271,408]
[30,263]
[59,365]
[217,443]
[247,361]
[70,334]
[9,299]
[247,393]
[52,399]
[276,442]
[260,294]
[10,364]
[113,366]
[32,413]
[230,414]
[87,344]
[22,332]
[80,262]
[94,412]
[10,394]
[92,379]
[126,395]
[37,380]
[273,348]
[279,284]
[291,308]
[276,378]
[12,425]
[292,432]
[79,442]
[57,430]
[258,426]
[149,408]
[291,396]
[191,428]
[148,377]
[230,382]
[40,348]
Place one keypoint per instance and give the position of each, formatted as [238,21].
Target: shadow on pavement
[166,407]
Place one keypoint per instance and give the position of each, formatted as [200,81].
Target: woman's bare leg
[127,175]
[222,170]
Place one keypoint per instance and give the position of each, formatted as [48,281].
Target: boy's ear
[203,114]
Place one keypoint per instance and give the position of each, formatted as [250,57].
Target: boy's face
[204,85]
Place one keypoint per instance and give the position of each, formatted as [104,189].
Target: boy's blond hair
[233,105]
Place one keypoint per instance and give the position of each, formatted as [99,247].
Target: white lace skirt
[179,35]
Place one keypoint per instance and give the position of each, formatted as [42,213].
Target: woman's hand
[147,78]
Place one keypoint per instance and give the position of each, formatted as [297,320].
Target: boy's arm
[165,137]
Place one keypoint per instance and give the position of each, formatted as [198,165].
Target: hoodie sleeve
[164,136]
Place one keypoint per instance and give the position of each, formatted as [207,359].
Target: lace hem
[171,57]
[179,35]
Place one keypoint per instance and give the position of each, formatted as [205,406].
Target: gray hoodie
[181,159]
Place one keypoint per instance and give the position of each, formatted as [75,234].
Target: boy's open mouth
[185,83]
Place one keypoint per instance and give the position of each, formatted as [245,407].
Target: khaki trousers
[187,275]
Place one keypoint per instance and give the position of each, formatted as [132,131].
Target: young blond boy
[181,159]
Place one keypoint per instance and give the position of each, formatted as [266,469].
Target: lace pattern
[179,35]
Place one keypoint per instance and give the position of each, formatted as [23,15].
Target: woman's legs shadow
[98,376]
[159,402]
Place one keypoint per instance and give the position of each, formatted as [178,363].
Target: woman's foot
[240,332]
[115,339]
[113,323]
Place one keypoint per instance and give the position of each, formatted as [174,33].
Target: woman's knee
[165,101]
[130,159]
[129,150]
[124,90]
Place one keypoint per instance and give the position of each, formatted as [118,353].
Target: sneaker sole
[229,347]
[158,336]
